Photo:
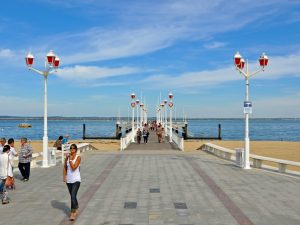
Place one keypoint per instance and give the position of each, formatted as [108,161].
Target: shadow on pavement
[61,206]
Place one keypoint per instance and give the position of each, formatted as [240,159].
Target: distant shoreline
[126,118]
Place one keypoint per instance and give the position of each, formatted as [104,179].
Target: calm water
[232,129]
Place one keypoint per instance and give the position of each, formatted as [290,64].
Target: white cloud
[6,53]
[145,27]
[215,45]
[279,66]
[83,73]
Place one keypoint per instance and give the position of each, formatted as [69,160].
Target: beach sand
[275,149]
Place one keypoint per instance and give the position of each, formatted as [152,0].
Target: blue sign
[247,107]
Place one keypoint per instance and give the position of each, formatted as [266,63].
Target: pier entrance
[152,144]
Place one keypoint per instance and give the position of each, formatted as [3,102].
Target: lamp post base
[45,152]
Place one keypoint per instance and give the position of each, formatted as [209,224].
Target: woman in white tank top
[72,178]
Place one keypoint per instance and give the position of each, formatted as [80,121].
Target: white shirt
[12,154]
[73,175]
[5,166]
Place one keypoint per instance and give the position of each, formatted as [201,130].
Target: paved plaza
[156,187]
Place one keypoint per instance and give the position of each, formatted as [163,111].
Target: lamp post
[171,105]
[239,65]
[162,114]
[141,114]
[137,113]
[51,65]
[165,112]
[132,106]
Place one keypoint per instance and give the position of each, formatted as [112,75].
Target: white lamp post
[132,106]
[51,65]
[165,112]
[141,114]
[171,125]
[137,113]
[162,114]
[239,64]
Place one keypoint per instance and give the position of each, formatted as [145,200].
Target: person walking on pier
[159,132]
[25,157]
[5,171]
[145,133]
[139,136]
[72,177]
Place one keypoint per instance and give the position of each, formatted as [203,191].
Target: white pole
[137,115]
[45,137]
[171,130]
[132,124]
[165,127]
[247,139]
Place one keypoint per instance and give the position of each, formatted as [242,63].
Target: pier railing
[256,161]
[56,155]
[179,141]
[125,141]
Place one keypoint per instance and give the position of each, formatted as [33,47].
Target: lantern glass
[237,58]
[263,60]
[56,62]
[29,59]
[50,57]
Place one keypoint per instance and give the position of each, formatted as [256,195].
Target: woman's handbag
[10,183]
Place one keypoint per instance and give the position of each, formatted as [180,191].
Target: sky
[109,49]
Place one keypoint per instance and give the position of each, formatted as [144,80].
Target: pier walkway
[156,187]
[152,144]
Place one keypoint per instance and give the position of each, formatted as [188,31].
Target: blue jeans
[3,190]
[73,189]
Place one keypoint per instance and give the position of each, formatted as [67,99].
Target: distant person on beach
[65,140]
[5,171]
[72,177]
[2,143]
[13,153]
[139,136]
[25,157]
[58,143]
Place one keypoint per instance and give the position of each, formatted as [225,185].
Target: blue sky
[109,49]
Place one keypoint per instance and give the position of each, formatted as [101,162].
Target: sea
[231,129]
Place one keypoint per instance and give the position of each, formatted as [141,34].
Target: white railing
[179,141]
[257,160]
[125,141]
[56,155]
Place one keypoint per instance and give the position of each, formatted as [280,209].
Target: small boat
[24,125]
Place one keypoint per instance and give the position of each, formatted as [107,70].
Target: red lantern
[237,58]
[56,62]
[141,104]
[171,104]
[137,101]
[263,60]
[132,95]
[29,59]
[165,101]
[50,57]
[170,95]
[132,104]
[242,64]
